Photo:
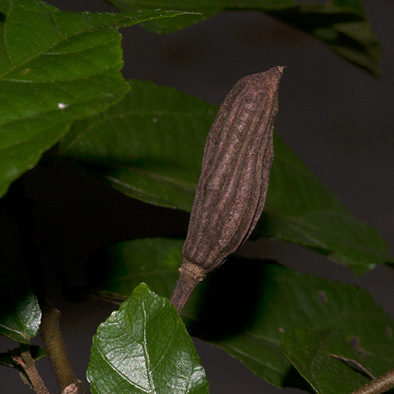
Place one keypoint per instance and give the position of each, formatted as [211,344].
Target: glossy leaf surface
[272,304]
[20,314]
[144,348]
[55,67]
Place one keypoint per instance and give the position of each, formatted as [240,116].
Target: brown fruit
[231,191]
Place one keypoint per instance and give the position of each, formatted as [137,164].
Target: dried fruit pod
[231,191]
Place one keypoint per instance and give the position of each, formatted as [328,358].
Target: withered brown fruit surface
[234,178]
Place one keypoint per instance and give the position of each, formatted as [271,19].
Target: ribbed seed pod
[231,191]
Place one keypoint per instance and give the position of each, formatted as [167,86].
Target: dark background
[335,117]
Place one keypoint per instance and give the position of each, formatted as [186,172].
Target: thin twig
[24,360]
[379,385]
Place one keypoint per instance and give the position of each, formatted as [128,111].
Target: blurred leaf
[150,146]
[247,306]
[55,67]
[6,360]
[20,314]
[119,268]
[341,25]
[315,354]
[144,347]
[300,209]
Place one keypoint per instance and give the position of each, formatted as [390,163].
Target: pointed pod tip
[269,77]
[262,84]
[276,71]
[280,69]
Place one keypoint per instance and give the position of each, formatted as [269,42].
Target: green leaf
[121,267]
[144,347]
[20,314]
[283,300]
[55,67]
[300,209]
[247,307]
[341,25]
[150,146]
[327,361]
